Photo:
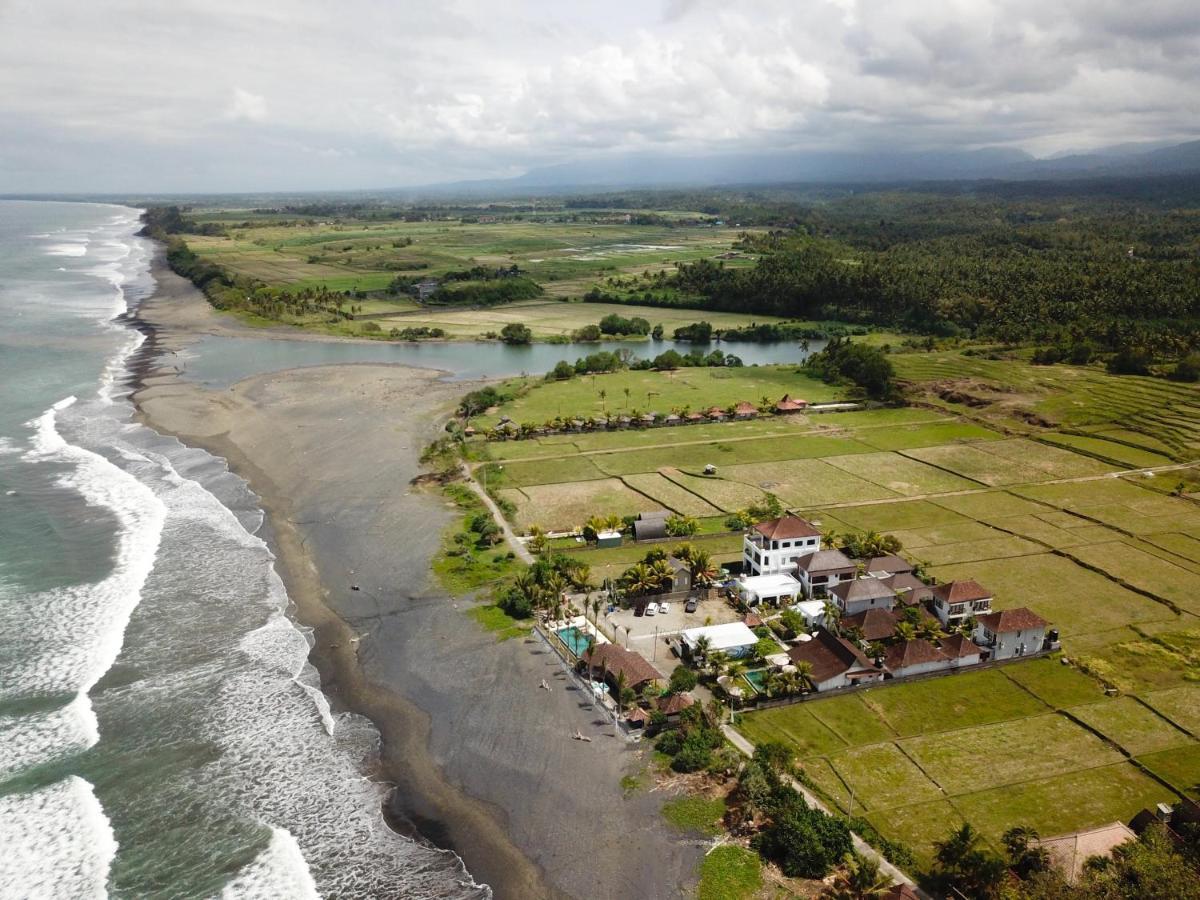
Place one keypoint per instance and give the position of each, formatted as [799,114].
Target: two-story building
[1011,632]
[819,572]
[956,601]
[862,594]
[773,548]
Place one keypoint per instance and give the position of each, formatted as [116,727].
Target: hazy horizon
[117,96]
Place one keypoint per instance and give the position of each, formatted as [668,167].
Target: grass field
[624,392]
[996,747]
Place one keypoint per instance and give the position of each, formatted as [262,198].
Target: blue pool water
[757,679]
[575,639]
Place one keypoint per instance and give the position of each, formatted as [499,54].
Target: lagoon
[218,362]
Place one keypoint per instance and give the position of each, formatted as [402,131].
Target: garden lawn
[1008,752]
[1131,726]
[956,701]
[881,776]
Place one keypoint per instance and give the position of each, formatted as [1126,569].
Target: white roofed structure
[733,638]
[777,590]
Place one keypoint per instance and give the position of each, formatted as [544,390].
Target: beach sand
[482,759]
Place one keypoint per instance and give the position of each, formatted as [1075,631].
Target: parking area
[708,612]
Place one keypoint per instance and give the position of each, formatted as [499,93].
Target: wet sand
[482,759]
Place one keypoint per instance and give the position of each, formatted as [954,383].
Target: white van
[651,608]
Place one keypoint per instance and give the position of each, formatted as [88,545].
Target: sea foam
[58,823]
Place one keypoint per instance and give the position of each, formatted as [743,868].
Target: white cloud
[247,106]
[409,92]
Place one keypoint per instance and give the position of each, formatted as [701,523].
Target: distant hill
[827,167]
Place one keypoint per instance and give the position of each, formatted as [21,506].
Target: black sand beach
[482,759]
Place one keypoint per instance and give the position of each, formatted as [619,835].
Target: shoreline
[403,729]
[480,760]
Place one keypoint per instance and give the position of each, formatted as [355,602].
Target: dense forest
[1106,268]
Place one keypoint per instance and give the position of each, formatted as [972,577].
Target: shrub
[516,333]
[683,679]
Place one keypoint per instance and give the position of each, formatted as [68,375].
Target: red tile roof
[745,408]
[752,621]
[1019,619]
[912,653]
[957,646]
[787,527]
[875,624]
[787,404]
[829,656]
[961,591]
[672,704]
[615,660]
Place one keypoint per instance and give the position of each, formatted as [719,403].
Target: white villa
[772,548]
[956,601]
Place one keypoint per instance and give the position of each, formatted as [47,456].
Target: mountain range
[1002,163]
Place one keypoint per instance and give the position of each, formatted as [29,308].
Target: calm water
[219,362]
[161,734]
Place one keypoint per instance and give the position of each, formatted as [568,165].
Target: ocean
[161,731]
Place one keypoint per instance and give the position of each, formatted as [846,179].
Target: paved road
[510,536]
[860,845]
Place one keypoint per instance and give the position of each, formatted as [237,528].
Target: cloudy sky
[120,95]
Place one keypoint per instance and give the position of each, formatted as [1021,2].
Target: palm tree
[621,689]
[627,396]
[596,611]
[702,567]
[663,573]
[830,615]
[683,551]
[860,879]
[734,668]
[803,675]
[639,579]
[905,631]
[603,397]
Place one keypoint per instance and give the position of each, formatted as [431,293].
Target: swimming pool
[575,638]
[757,679]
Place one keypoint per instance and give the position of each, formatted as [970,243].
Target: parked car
[651,608]
[664,607]
[690,606]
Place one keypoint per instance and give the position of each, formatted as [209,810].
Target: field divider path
[745,747]
[1129,757]
[510,536]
